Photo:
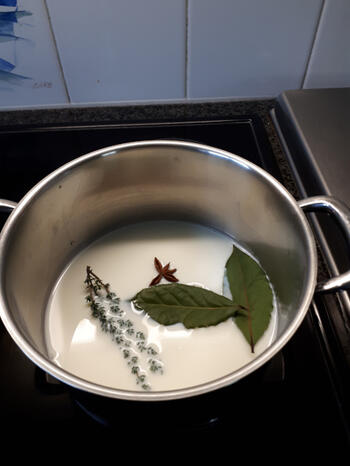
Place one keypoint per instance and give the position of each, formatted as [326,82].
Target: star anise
[163,272]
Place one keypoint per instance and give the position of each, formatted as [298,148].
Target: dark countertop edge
[138,112]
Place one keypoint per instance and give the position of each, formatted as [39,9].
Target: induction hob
[295,399]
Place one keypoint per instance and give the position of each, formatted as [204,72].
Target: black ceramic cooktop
[294,401]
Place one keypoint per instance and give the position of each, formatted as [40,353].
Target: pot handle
[6,205]
[341,213]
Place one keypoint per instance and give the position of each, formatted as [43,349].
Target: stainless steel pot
[146,180]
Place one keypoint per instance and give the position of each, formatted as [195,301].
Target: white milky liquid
[125,260]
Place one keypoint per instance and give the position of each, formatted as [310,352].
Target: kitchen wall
[74,52]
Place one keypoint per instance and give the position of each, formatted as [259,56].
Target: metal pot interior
[141,181]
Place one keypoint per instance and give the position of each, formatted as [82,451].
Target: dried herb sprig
[104,305]
[94,283]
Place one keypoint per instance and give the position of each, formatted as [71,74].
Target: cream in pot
[188,357]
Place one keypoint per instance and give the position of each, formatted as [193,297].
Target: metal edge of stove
[320,236]
[333,269]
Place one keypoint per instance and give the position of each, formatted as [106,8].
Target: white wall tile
[249,48]
[115,50]
[29,68]
[330,59]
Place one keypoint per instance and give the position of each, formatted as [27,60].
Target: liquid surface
[125,260]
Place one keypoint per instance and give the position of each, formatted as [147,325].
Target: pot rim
[75,381]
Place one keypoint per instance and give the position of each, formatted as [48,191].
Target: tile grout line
[57,54]
[313,44]
[186,48]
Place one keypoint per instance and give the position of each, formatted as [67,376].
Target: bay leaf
[250,288]
[191,305]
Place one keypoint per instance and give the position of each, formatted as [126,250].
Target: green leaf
[250,288]
[191,305]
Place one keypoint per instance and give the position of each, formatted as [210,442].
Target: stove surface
[295,398]
[313,127]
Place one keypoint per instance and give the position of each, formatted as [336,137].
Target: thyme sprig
[105,306]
